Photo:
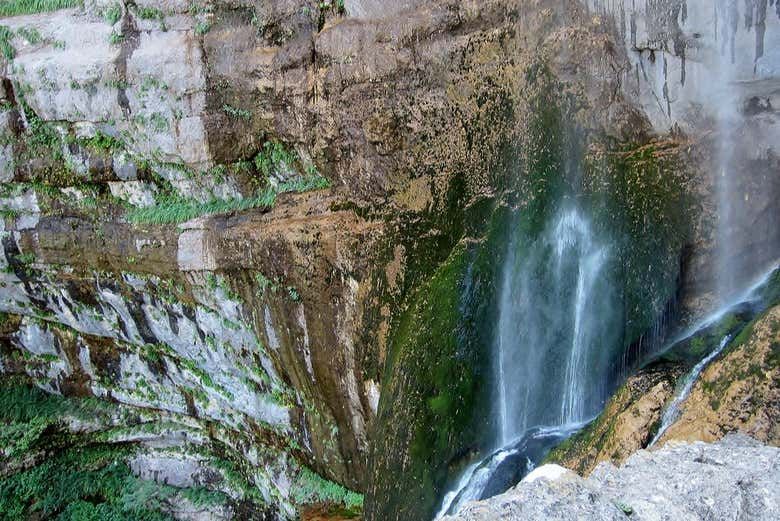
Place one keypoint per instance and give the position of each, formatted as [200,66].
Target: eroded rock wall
[271,318]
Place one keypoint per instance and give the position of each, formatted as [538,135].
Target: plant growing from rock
[17,7]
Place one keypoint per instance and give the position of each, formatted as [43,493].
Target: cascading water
[559,321]
[672,411]
[752,297]
[552,350]
[740,81]
[551,325]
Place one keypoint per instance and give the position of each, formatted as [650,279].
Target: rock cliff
[264,232]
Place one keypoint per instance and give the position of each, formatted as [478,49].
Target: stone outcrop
[735,478]
[626,424]
[737,392]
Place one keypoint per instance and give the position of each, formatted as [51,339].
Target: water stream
[672,411]
[751,296]
[504,467]
[551,325]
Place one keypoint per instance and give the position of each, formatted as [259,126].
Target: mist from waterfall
[553,328]
[740,80]
[560,303]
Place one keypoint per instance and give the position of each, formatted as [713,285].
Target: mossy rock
[440,367]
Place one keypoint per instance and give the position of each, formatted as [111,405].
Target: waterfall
[560,317]
[552,350]
[551,328]
[725,97]
[752,296]
[738,91]
[504,467]
[672,411]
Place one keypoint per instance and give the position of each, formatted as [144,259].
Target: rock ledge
[735,478]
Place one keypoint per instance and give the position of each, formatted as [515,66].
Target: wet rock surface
[737,392]
[735,478]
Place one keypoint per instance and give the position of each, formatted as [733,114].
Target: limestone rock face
[711,70]
[735,478]
[625,425]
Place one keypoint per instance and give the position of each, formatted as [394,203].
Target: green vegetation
[336,5]
[237,113]
[80,478]
[639,198]
[264,283]
[439,359]
[627,510]
[41,139]
[113,14]
[82,485]
[174,209]
[150,13]
[692,350]
[152,83]
[30,34]
[310,488]
[273,158]
[202,28]
[159,122]
[293,293]
[101,141]
[26,258]
[116,38]
[17,7]
[6,47]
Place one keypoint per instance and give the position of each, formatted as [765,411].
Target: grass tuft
[311,488]
[18,7]
[6,47]
[175,209]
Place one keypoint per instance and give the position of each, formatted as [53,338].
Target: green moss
[440,362]
[310,488]
[638,197]
[17,7]
[690,351]
[770,293]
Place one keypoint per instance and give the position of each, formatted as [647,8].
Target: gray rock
[736,478]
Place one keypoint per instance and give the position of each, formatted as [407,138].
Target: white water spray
[551,350]
[551,328]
